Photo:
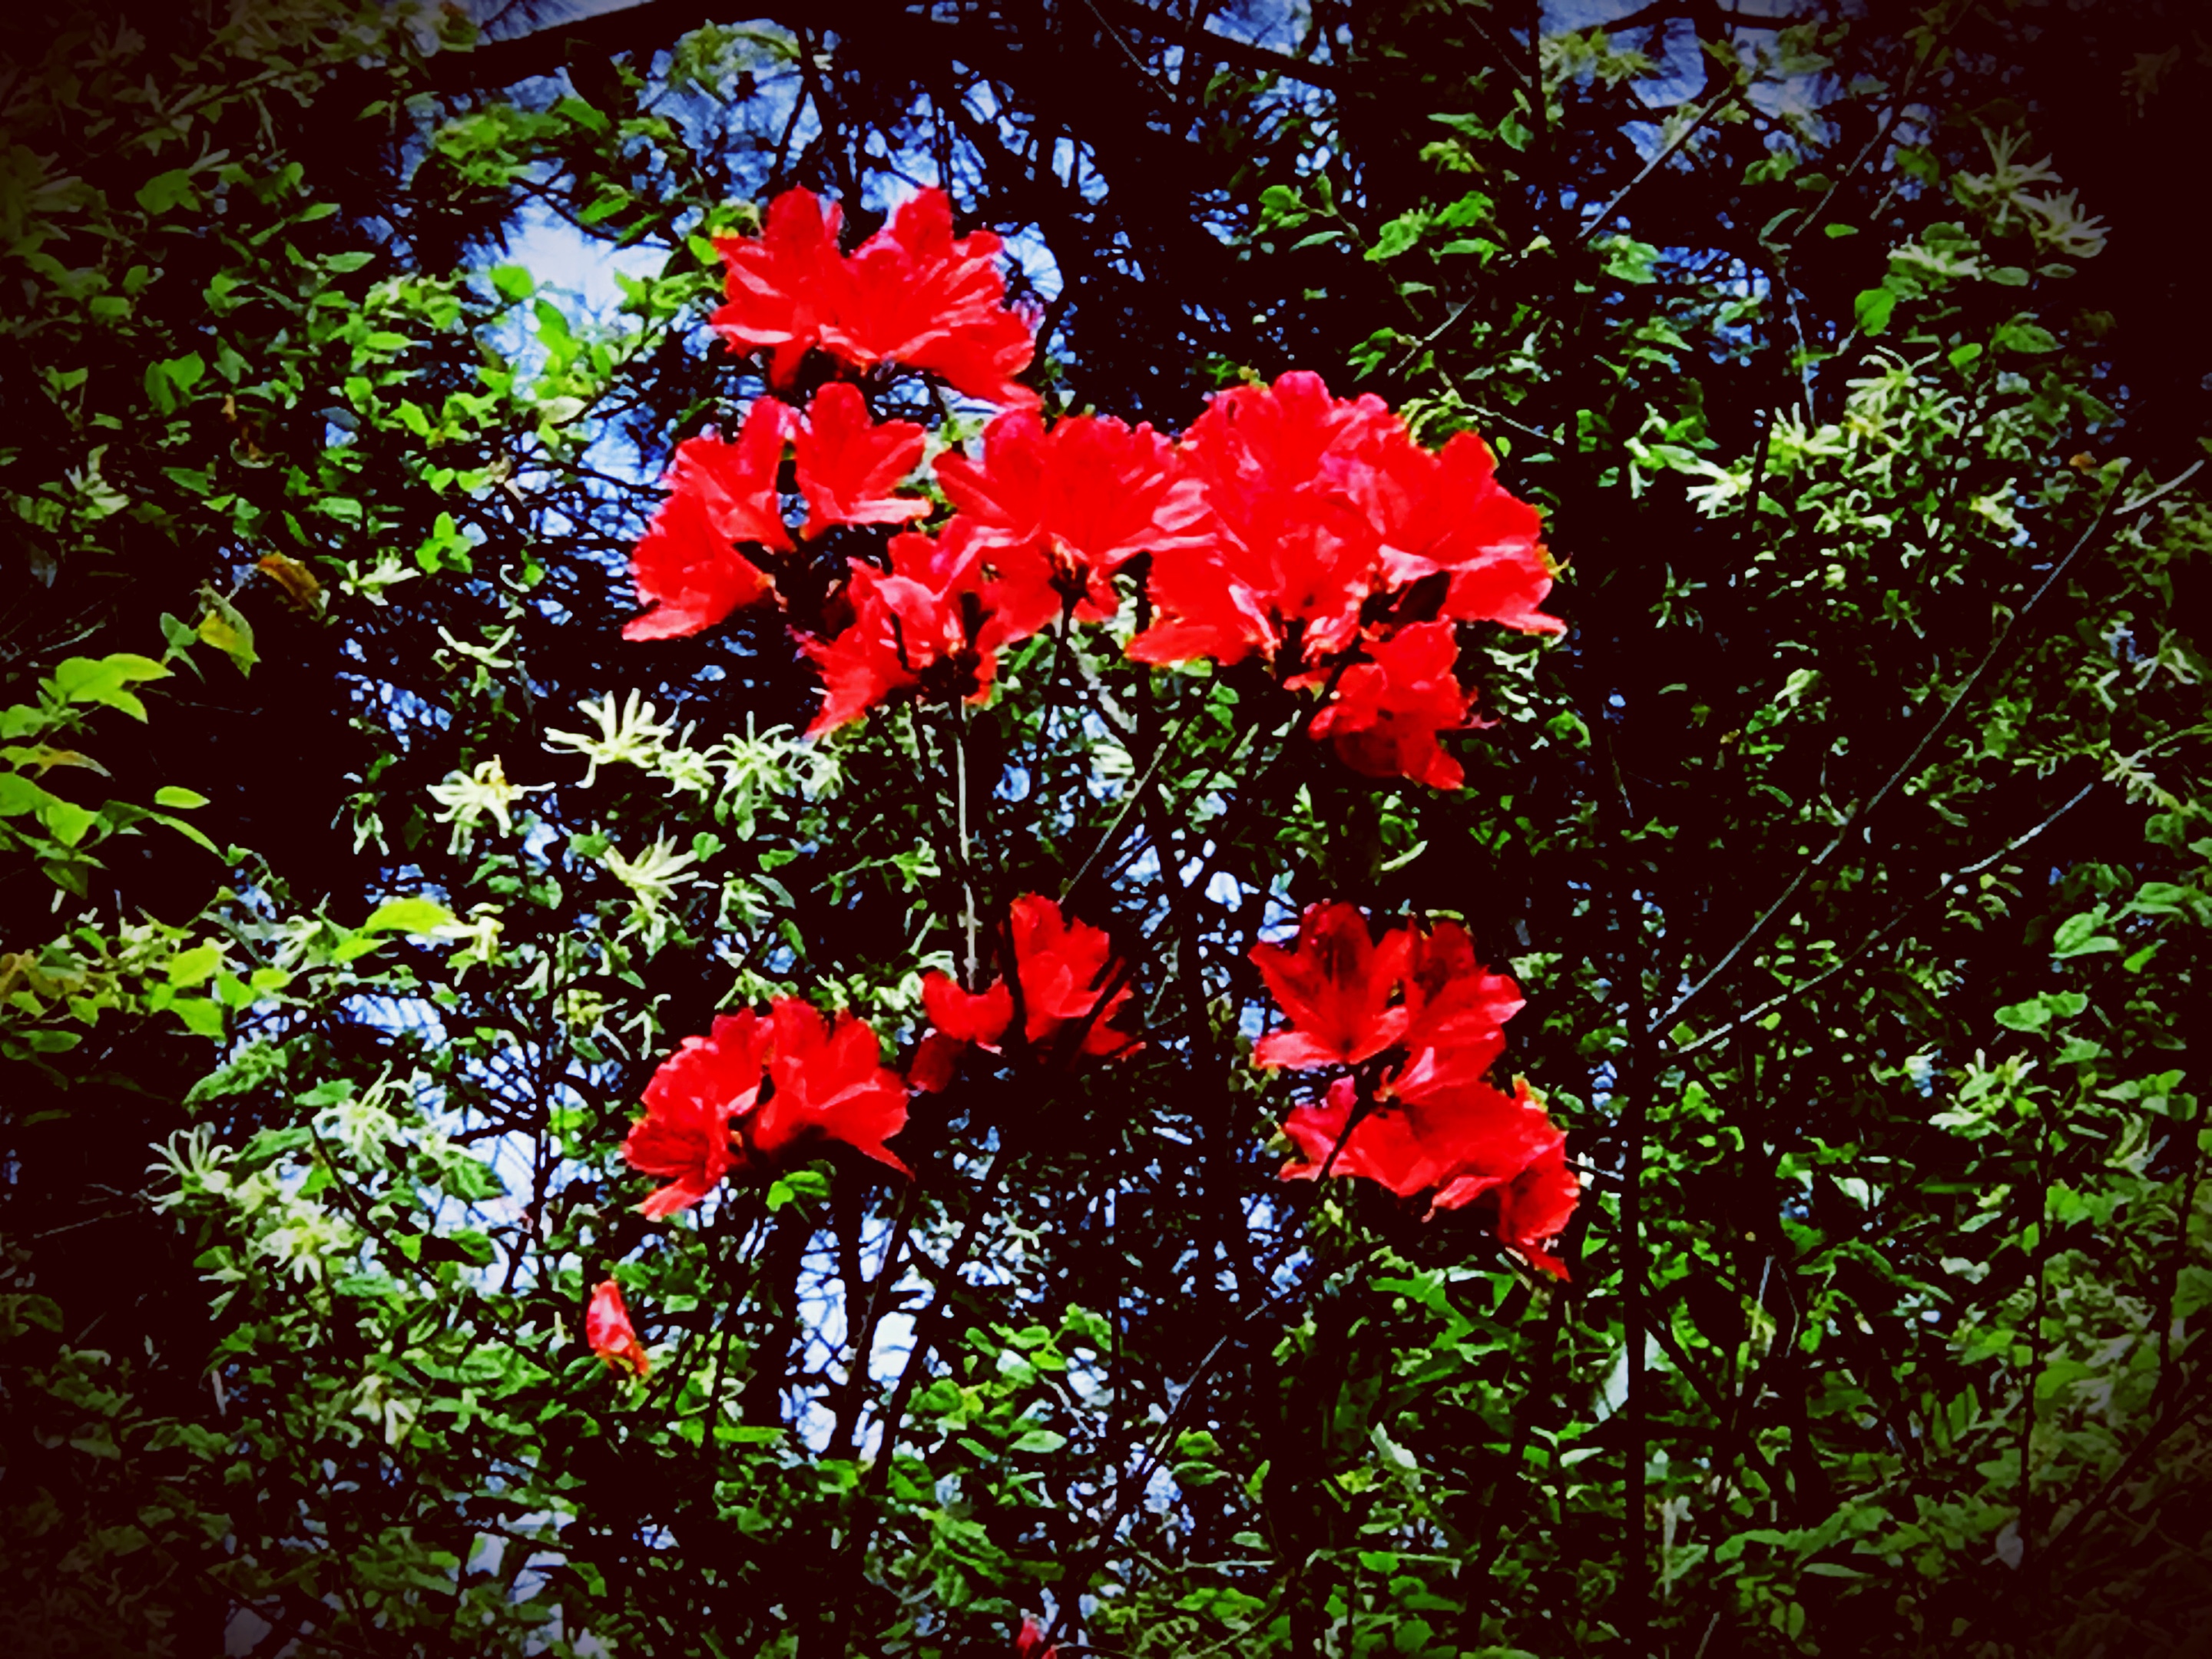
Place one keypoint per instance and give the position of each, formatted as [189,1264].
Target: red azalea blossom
[1455,1006]
[1063,967]
[1325,513]
[685,1137]
[1387,712]
[1535,1209]
[1534,1204]
[960,1017]
[977,1017]
[1335,986]
[607,1328]
[826,1081]
[1292,546]
[685,566]
[913,293]
[779,283]
[1460,1145]
[936,1058]
[1064,509]
[830,1083]
[1472,1134]
[1029,1645]
[848,464]
[1445,512]
[928,611]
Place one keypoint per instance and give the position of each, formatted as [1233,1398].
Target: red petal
[979,1017]
[1335,986]
[849,466]
[936,1058]
[688,572]
[830,1081]
[607,1329]
[783,283]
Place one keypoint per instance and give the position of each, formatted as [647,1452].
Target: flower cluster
[1062,968]
[911,294]
[1311,531]
[1420,1021]
[688,567]
[758,1091]
[1340,547]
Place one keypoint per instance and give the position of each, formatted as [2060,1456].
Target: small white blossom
[633,735]
[655,874]
[468,798]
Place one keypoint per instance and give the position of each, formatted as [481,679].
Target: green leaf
[466,1178]
[407,915]
[1871,309]
[1040,1440]
[2028,338]
[2078,936]
[68,823]
[203,1016]
[2029,1016]
[225,628]
[18,794]
[184,800]
[195,966]
[1400,233]
[512,282]
[165,190]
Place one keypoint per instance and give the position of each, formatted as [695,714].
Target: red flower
[1412,1149]
[826,1081]
[915,293]
[1029,1645]
[780,283]
[1446,512]
[925,618]
[1321,503]
[685,565]
[937,619]
[977,1017]
[607,1328]
[831,1084]
[1455,1006]
[1063,967]
[960,1017]
[936,1057]
[1462,1143]
[1534,1206]
[1291,545]
[849,466]
[1387,712]
[685,1136]
[912,292]
[1335,987]
[1064,510]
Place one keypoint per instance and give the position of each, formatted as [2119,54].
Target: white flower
[471,797]
[654,874]
[634,735]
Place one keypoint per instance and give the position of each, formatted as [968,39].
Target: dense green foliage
[1854,849]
